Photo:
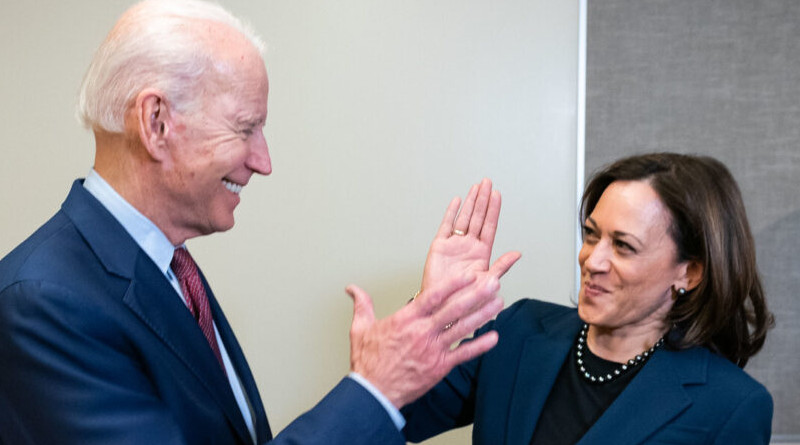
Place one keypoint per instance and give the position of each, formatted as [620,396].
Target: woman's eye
[589,233]
[622,245]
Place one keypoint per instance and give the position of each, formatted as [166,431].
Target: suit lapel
[241,366]
[542,356]
[652,399]
[114,248]
[154,301]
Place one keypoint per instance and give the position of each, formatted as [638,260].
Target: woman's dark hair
[727,311]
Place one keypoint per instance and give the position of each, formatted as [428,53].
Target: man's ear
[154,120]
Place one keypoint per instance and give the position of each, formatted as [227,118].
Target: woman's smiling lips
[593,290]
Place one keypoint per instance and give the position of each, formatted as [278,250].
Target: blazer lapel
[154,301]
[241,366]
[542,356]
[653,398]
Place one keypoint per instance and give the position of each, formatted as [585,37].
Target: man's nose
[258,159]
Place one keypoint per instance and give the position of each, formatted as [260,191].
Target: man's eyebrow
[251,122]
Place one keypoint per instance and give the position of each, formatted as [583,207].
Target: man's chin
[224,226]
[218,225]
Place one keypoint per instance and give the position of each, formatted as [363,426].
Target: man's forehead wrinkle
[225,46]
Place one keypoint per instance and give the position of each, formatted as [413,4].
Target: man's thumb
[363,312]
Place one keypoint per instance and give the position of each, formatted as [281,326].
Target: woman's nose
[596,257]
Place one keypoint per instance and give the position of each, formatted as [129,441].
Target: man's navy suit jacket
[96,348]
[679,397]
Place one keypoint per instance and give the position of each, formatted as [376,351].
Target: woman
[670,309]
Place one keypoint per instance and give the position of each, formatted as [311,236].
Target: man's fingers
[468,323]
[431,300]
[504,263]
[465,302]
[363,312]
[468,350]
[481,204]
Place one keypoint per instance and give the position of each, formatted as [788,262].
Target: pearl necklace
[622,369]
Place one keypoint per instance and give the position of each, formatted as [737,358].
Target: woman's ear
[693,274]
[154,122]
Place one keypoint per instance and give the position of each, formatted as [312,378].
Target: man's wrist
[391,410]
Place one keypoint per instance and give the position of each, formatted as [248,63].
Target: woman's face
[628,261]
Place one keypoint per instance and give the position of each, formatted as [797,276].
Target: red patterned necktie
[195,294]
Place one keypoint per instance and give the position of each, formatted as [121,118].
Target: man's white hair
[153,45]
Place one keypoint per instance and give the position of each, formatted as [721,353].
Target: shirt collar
[146,234]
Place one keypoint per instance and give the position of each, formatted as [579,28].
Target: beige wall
[380,112]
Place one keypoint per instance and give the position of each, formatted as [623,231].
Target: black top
[574,403]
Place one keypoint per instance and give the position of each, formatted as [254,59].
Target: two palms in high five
[405,354]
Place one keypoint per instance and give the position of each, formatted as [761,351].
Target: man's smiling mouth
[232,186]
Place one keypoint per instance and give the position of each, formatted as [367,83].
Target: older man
[108,332]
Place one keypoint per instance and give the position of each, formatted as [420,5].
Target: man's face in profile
[216,148]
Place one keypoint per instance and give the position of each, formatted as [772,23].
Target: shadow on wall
[778,248]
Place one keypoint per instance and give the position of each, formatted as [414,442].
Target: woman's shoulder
[718,375]
[733,406]
[720,367]
[529,314]
[540,309]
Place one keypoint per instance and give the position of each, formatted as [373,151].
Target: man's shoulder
[69,245]
[57,269]
[40,254]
